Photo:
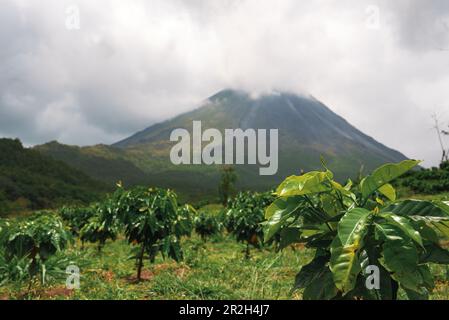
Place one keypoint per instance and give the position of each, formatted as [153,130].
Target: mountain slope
[307,130]
[101,162]
[30,180]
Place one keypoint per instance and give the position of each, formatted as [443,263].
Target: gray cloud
[132,64]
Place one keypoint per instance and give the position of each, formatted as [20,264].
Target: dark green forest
[30,180]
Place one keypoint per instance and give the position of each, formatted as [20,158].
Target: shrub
[30,243]
[353,227]
[103,225]
[245,217]
[153,223]
[77,217]
[206,225]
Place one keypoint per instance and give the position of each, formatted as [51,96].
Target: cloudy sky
[87,72]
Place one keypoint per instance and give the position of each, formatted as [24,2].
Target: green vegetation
[207,225]
[245,217]
[102,226]
[357,226]
[103,163]
[29,243]
[153,223]
[30,181]
[328,232]
[427,181]
[227,184]
[76,218]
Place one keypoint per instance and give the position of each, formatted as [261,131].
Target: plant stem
[247,252]
[140,262]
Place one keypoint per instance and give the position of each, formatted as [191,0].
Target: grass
[212,270]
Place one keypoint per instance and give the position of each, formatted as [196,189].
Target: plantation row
[428,181]
[350,227]
[151,220]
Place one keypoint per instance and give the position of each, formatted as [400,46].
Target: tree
[445,153]
[245,217]
[353,227]
[102,225]
[153,223]
[227,184]
[206,225]
[76,218]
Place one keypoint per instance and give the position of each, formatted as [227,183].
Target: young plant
[206,225]
[76,218]
[153,223]
[245,217]
[102,226]
[32,241]
[356,229]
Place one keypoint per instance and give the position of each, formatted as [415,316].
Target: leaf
[278,212]
[401,259]
[384,175]
[344,261]
[438,224]
[309,183]
[322,288]
[419,208]
[352,226]
[426,285]
[344,265]
[288,236]
[427,232]
[413,295]
[426,276]
[434,254]
[311,272]
[388,191]
[403,224]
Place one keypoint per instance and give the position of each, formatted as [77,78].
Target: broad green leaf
[419,208]
[426,276]
[413,295]
[388,191]
[288,236]
[322,288]
[278,212]
[309,183]
[434,254]
[352,227]
[426,285]
[427,232]
[329,204]
[384,175]
[438,224]
[345,265]
[403,224]
[311,272]
[401,259]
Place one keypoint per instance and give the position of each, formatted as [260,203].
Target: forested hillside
[30,180]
